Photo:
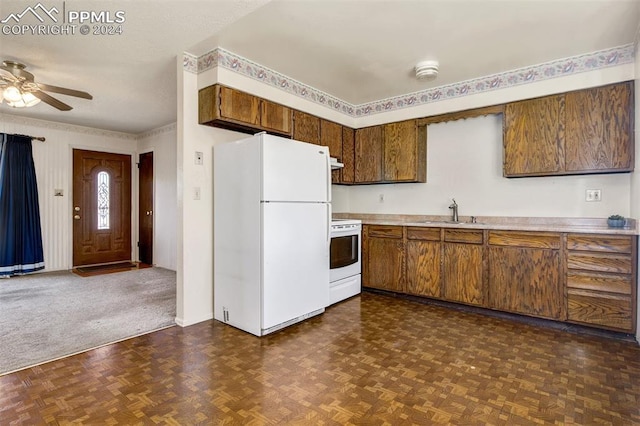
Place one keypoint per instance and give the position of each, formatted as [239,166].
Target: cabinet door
[600,129]
[331,136]
[368,155]
[348,155]
[385,265]
[527,281]
[534,136]
[306,127]
[462,273]
[423,268]
[239,106]
[275,117]
[403,158]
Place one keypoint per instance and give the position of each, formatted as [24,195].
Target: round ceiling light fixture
[427,70]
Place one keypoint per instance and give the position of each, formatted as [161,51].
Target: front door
[101,207]
[145,192]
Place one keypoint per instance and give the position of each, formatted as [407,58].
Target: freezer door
[295,251]
[295,171]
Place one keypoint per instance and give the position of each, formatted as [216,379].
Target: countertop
[540,224]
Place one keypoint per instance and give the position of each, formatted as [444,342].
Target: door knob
[76,208]
[76,217]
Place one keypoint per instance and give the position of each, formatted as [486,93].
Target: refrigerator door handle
[329,213]
[328,178]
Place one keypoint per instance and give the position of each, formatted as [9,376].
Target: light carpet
[48,316]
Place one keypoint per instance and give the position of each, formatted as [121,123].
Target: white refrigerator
[272,217]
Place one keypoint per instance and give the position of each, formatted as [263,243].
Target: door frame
[134,194]
[153,197]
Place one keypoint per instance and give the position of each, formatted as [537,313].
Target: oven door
[344,254]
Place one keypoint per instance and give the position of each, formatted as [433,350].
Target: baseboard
[186,322]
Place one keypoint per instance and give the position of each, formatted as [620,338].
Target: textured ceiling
[358,51]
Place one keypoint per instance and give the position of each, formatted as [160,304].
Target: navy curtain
[20,233]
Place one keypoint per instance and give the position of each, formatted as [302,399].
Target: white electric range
[345,259]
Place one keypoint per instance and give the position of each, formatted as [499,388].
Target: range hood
[335,164]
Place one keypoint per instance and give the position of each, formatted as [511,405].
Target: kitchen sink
[451,222]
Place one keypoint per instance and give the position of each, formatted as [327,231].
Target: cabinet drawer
[463,236]
[525,239]
[599,282]
[601,262]
[427,234]
[612,311]
[385,231]
[601,243]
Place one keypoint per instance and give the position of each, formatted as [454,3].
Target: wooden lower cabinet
[423,262]
[384,257]
[525,273]
[526,281]
[463,273]
[579,278]
[601,277]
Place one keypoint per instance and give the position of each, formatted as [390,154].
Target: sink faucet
[454,207]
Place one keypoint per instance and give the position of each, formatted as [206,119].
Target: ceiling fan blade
[64,91]
[7,75]
[51,101]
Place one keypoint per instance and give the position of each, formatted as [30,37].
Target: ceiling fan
[19,89]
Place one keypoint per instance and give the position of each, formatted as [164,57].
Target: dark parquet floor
[371,360]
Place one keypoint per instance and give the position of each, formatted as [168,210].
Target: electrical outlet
[381,198]
[196,192]
[593,195]
[199,158]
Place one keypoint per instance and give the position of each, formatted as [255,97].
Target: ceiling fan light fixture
[19,89]
[427,70]
[17,98]
[12,94]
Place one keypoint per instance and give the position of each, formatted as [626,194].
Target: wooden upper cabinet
[275,117]
[331,136]
[221,106]
[600,129]
[368,155]
[581,132]
[534,136]
[239,106]
[348,155]
[404,152]
[306,127]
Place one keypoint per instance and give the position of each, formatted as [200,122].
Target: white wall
[195,217]
[162,142]
[464,161]
[53,162]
